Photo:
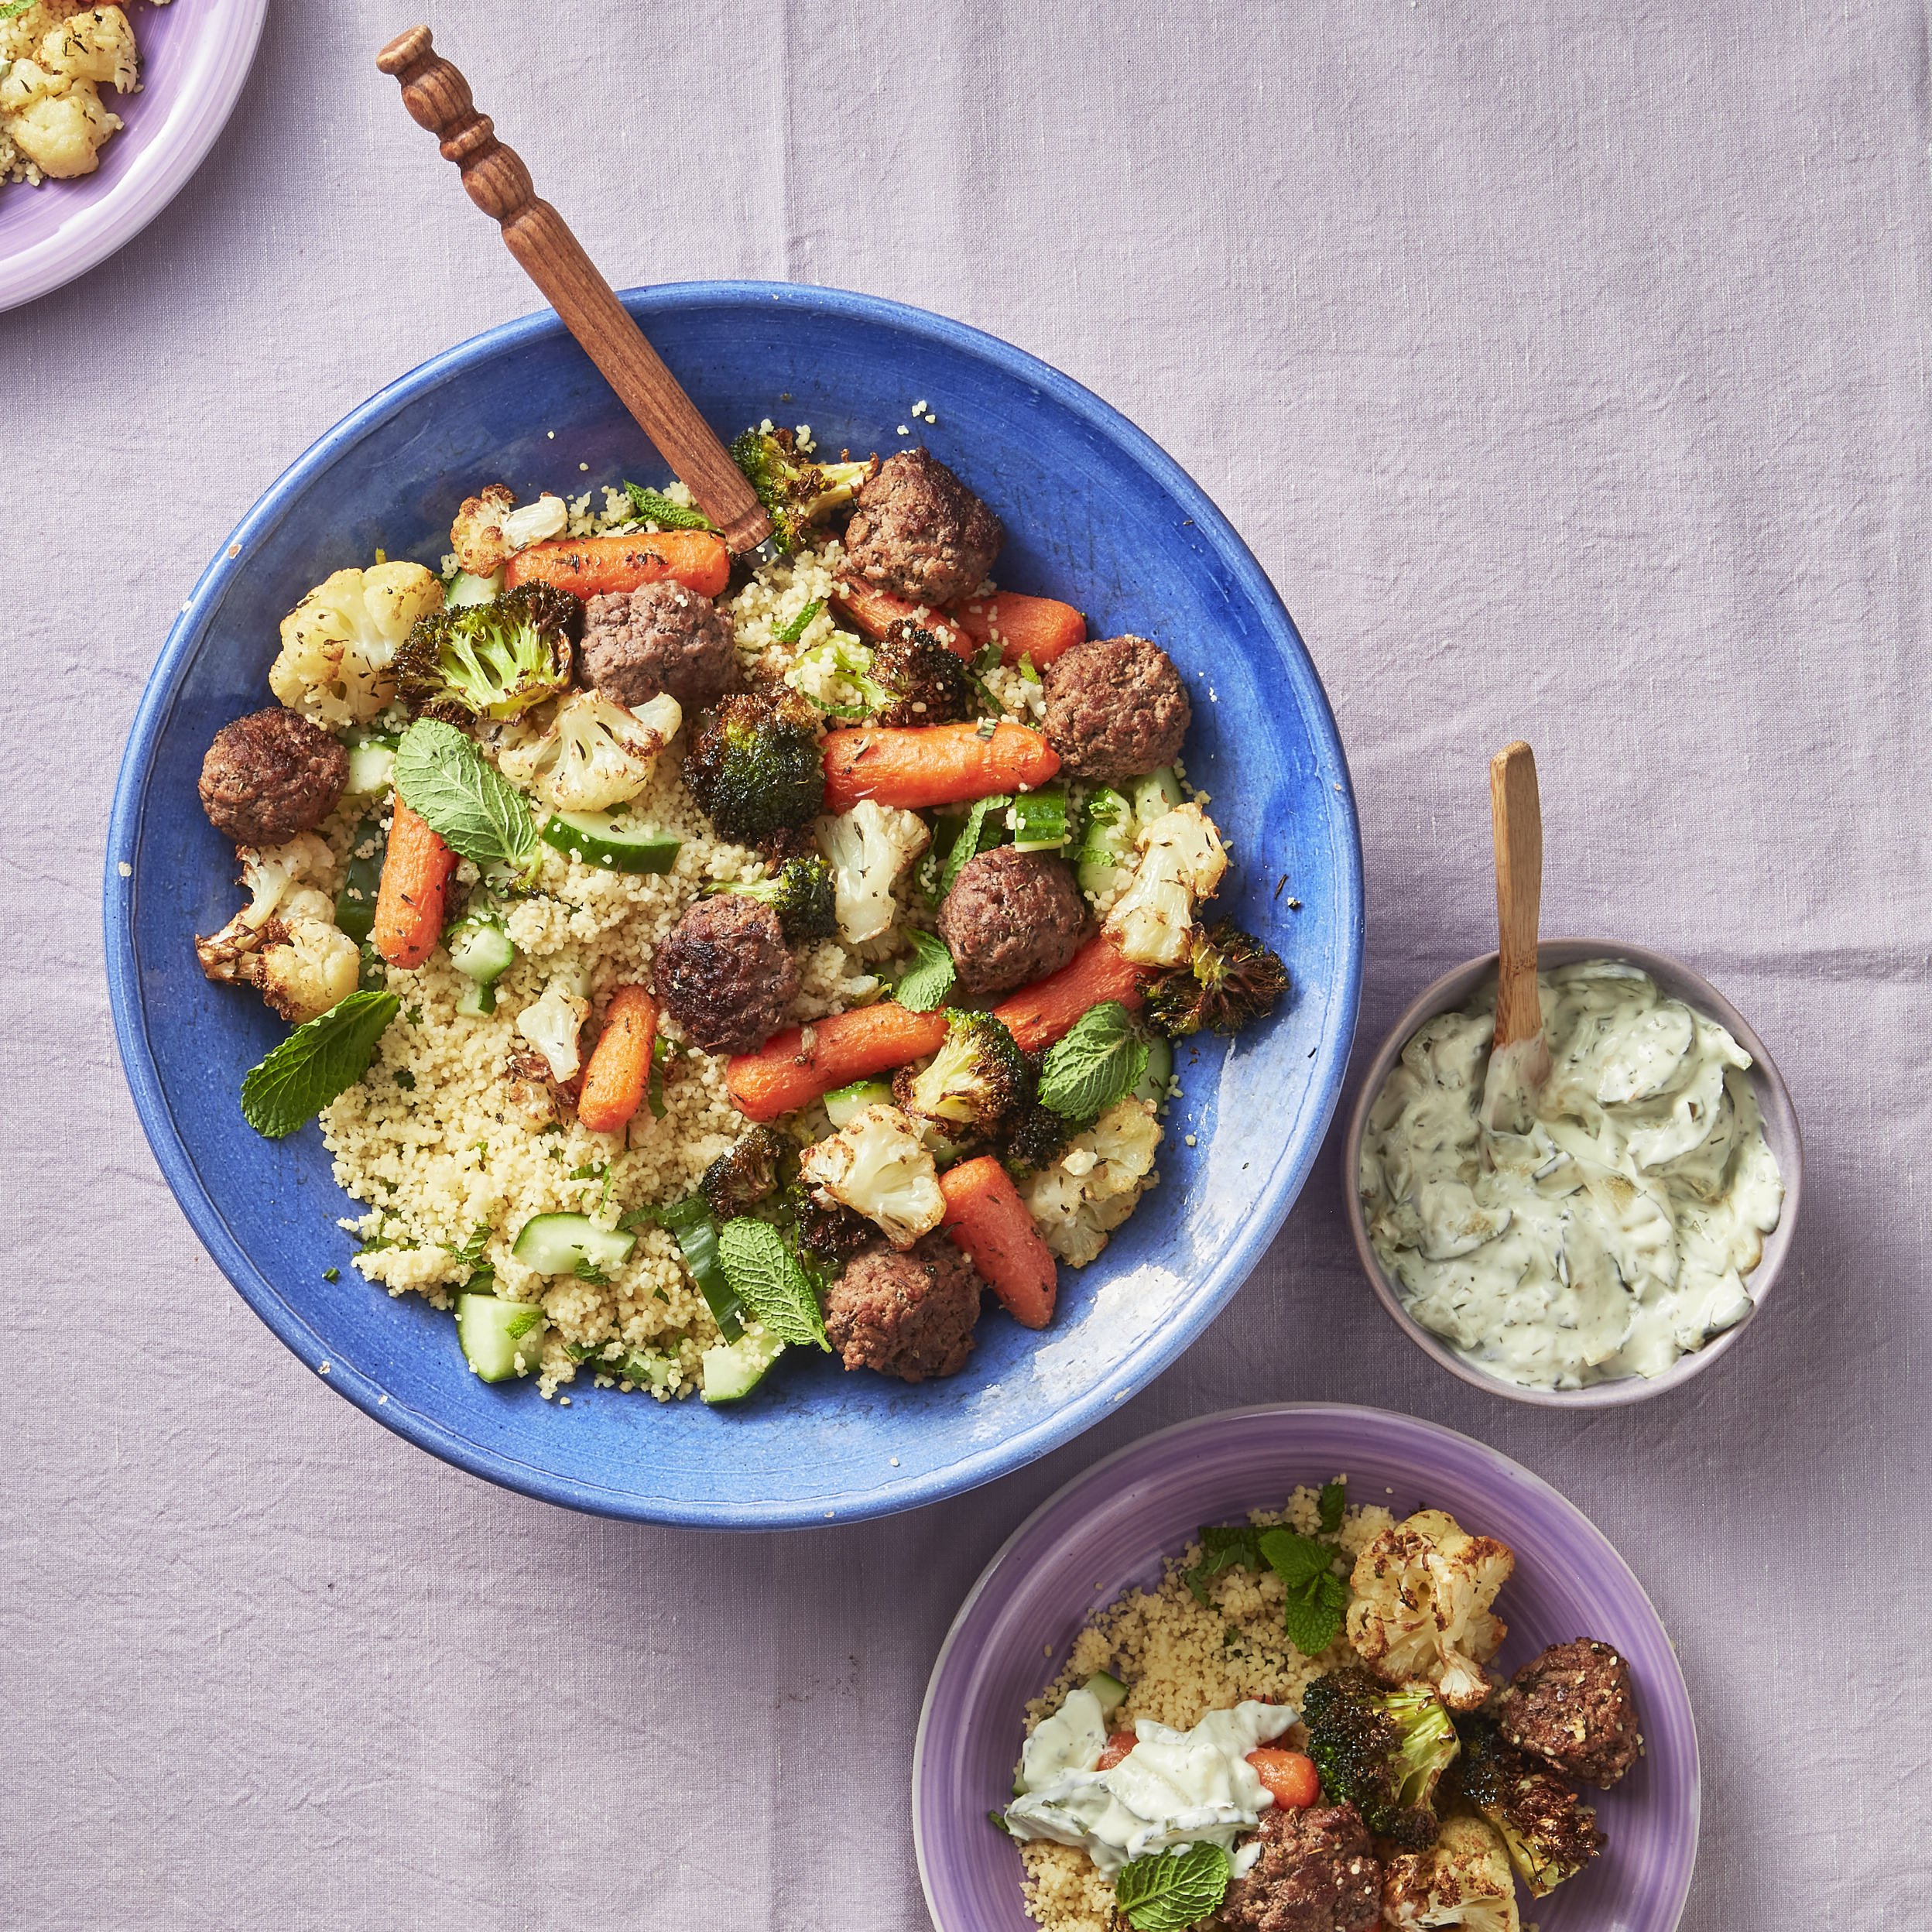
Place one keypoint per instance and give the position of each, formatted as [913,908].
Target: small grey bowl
[1678,981]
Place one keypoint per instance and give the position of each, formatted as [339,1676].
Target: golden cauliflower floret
[284,942]
[877,1166]
[1097,1182]
[338,642]
[61,132]
[1181,863]
[1422,1591]
[1464,1878]
[596,753]
[96,45]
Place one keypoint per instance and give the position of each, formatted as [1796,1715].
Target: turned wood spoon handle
[1516,815]
[438,98]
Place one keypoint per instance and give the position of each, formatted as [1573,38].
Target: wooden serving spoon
[1519,1058]
[438,98]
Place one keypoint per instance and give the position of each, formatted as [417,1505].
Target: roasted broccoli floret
[489,660]
[745,1174]
[795,491]
[829,1236]
[1550,1834]
[915,679]
[1228,979]
[1380,1749]
[1035,1139]
[753,765]
[799,892]
[978,1077]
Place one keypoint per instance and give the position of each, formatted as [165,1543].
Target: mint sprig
[976,836]
[925,983]
[448,783]
[1167,1891]
[769,1281]
[1097,1064]
[1316,1598]
[322,1058]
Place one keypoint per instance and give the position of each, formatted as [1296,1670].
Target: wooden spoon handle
[438,98]
[1516,816]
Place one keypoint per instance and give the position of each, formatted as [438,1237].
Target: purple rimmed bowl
[1107,1532]
[1676,980]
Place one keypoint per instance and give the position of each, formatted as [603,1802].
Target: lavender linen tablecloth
[1565,366]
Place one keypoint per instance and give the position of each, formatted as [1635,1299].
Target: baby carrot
[620,1064]
[1036,1015]
[933,764]
[800,1064]
[989,1224]
[409,897]
[873,613]
[1031,627]
[1289,1778]
[587,565]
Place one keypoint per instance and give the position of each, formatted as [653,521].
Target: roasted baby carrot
[933,764]
[1036,1015]
[620,1064]
[873,613]
[989,1224]
[800,1064]
[409,897]
[1037,628]
[590,565]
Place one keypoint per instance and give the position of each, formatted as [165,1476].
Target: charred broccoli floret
[1550,1834]
[978,1077]
[755,766]
[916,680]
[795,491]
[489,660]
[1227,979]
[829,1236]
[799,892]
[1380,1749]
[746,1172]
[1035,1140]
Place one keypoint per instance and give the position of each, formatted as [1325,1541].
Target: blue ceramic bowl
[1095,514]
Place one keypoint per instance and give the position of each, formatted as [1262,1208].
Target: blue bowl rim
[158,696]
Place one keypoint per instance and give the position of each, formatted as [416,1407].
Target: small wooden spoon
[438,98]
[1519,1058]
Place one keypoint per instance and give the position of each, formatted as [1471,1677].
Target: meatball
[660,637]
[1115,708]
[918,532]
[1012,917]
[1318,1873]
[1572,1707]
[909,1315]
[271,775]
[725,974]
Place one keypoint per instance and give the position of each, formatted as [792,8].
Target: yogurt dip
[1614,1232]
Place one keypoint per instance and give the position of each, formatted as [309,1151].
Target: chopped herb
[413,1017]
[976,836]
[1027,672]
[802,623]
[1334,1499]
[1223,1546]
[587,1270]
[654,507]
[998,1823]
[331,1274]
[405,1079]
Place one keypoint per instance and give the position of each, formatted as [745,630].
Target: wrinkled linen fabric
[1566,367]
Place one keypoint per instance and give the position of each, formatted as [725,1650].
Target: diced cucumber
[494,1334]
[1152,1086]
[615,844]
[466,590]
[372,767]
[355,904]
[1105,859]
[1039,819]
[842,1102]
[1156,795]
[1110,1691]
[479,949]
[559,1244]
[478,999]
[733,1369]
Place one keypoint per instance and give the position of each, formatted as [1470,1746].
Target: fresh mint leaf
[321,1058]
[1312,1615]
[769,1281]
[1096,1065]
[1295,1559]
[1334,1499]
[975,836]
[1167,1891]
[448,783]
[1223,1546]
[518,1326]
[925,983]
[654,507]
[802,623]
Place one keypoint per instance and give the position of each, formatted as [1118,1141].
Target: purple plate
[1111,1526]
[195,55]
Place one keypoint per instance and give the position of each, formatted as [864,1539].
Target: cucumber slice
[733,1369]
[689,1224]
[1110,1692]
[561,1244]
[480,949]
[1039,819]
[467,591]
[1156,795]
[494,1334]
[355,904]
[616,845]
[1152,1086]
[842,1102]
[478,999]
[371,766]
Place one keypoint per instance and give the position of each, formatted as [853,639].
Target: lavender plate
[195,54]
[1110,1527]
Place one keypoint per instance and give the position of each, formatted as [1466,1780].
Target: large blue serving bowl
[1095,514]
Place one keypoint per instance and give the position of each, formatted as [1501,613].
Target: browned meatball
[661,637]
[918,532]
[1318,1873]
[725,974]
[1012,917]
[271,775]
[1572,1707]
[1115,708]
[909,1315]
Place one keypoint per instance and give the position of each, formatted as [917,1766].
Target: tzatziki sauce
[1174,1788]
[1612,1234]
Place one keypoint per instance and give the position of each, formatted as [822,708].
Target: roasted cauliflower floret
[1096,1183]
[339,642]
[877,1165]
[595,754]
[1464,1878]
[1181,863]
[489,529]
[59,125]
[1422,1591]
[284,942]
[96,45]
[552,1025]
[867,848]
